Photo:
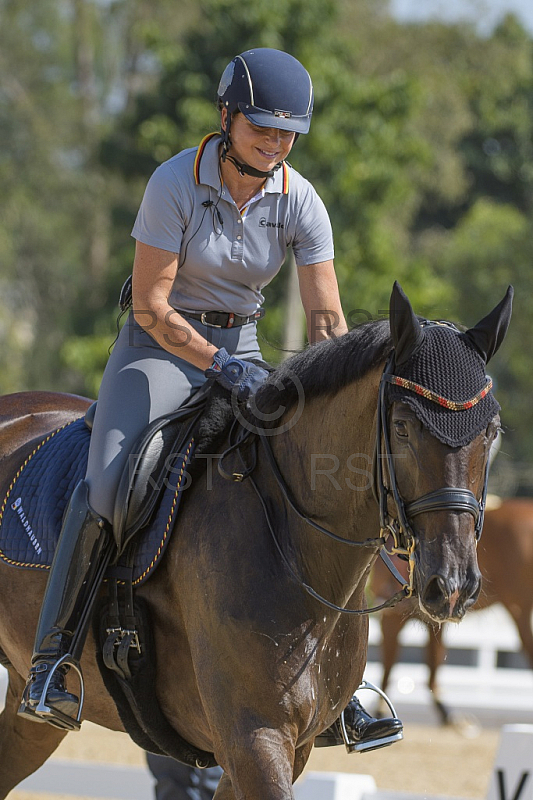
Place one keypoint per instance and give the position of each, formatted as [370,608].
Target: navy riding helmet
[271,88]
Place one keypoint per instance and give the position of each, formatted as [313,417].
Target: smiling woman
[213,229]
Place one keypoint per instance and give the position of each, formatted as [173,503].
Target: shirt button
[239,237]
[239,221]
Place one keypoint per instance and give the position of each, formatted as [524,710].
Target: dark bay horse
[257,651]
[505,558]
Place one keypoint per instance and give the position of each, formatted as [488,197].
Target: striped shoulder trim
[199,154]
[285,178]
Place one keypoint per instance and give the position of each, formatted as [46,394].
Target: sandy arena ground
[429,760]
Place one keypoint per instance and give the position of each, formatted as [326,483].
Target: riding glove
[236,375]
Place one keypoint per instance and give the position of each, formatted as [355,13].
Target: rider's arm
[154,271]
[320,298]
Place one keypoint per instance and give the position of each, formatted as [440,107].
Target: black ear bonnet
[442,371]
[448,365]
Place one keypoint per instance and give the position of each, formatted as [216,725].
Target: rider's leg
[85,541]
[82,552]
[141,383]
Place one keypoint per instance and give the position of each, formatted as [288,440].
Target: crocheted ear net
[447,364]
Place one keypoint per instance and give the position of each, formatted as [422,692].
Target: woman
[212,230]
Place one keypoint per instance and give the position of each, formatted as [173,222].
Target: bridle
[399,527]
[448,498]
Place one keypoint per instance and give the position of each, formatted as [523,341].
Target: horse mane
[324,368]
[321,369]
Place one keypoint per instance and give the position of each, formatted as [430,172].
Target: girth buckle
[124,634]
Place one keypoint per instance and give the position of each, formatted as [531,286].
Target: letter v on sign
[501,786]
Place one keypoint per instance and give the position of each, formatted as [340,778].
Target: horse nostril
[472,596]
[436,596]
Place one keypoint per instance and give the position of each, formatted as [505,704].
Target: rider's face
[261,148]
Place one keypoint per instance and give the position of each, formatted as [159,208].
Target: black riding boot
[80,559]
[359,731]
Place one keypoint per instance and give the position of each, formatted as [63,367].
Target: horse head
[438,419]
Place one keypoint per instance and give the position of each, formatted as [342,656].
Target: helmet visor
[283,120]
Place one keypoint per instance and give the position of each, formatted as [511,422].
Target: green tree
[420,146]
[66,68]
[498,150]
[471,229]
[488,250]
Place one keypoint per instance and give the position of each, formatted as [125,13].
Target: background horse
[254,657]
[505,558]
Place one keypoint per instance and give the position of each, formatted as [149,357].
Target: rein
[244,439]
[447,498]
[376,541]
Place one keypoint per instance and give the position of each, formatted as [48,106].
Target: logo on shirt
[264,223]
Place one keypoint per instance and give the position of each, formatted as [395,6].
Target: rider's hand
[236,375]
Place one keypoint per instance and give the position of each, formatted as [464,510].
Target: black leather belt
[223,319]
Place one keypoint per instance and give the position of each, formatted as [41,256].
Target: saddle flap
[146,477]
[33,506]
[153,460]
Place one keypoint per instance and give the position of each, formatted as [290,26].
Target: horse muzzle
[448,598]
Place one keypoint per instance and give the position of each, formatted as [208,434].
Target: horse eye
[400,427]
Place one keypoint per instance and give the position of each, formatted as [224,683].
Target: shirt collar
[206,167]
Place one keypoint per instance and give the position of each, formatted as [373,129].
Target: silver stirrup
[53,716]
[354,747]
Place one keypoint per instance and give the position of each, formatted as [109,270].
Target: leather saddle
[141,488]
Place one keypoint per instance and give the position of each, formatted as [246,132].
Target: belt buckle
[205,322]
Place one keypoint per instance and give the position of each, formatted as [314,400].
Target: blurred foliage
[421,147]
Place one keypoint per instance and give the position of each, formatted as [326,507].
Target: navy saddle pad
[32,510]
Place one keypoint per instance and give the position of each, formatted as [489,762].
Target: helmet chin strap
[244,169]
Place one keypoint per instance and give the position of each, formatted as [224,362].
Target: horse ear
[488,334]
[405,328]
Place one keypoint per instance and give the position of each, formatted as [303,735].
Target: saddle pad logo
[16,506]
[39,493]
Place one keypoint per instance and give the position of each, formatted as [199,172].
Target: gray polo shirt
[227,256]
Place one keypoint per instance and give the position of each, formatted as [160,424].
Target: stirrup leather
[376,744]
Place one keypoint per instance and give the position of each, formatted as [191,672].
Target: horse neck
[326,460]
[327,456]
